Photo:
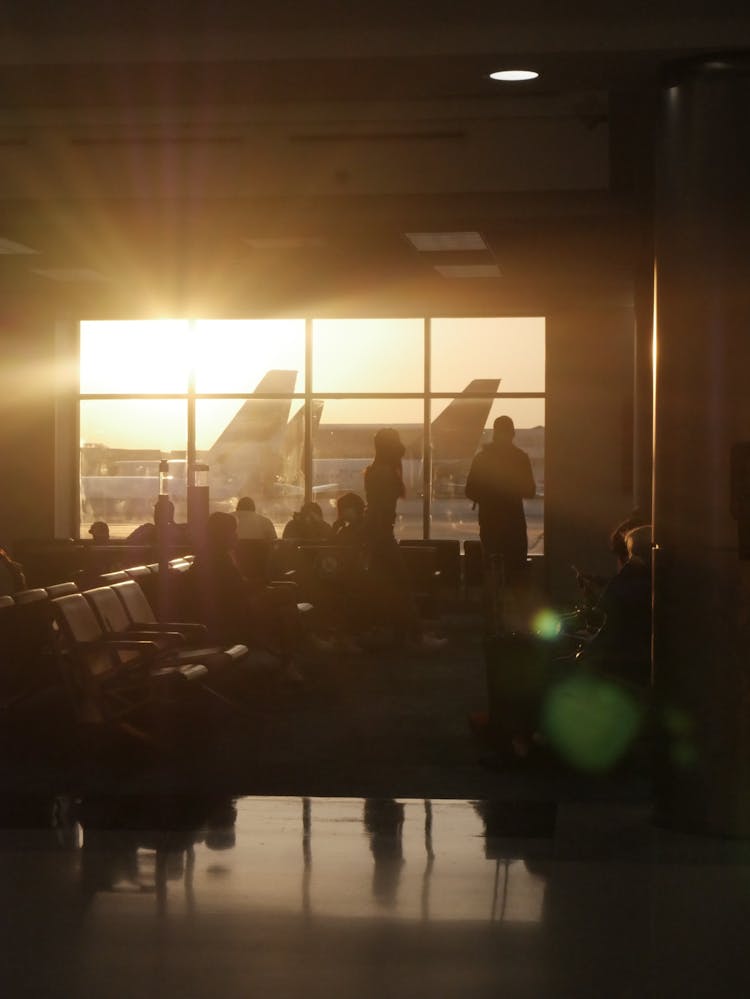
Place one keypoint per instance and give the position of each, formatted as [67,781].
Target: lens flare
[591,722]
[547,625]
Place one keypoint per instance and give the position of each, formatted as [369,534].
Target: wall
[588,441]
[27,425]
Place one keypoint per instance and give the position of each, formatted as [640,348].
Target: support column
[643,389]
[702,408]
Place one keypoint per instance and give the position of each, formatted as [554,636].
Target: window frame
[307,397]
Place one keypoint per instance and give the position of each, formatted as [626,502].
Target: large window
[285,410]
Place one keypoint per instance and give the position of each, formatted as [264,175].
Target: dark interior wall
[27,424]
[588,440]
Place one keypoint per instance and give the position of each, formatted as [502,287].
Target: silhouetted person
[592,584]
[349,526]
[622,646]
[308,525]
[164,530]
[100,556]
[99,532]
[384,487]
[251,525]
[499,479]
[236,609]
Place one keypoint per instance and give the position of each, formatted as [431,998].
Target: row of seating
[47,561]
[437,569]
[117,665]
[459,564]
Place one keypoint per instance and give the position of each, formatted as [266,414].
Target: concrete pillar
[702,408]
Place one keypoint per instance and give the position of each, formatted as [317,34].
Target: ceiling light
[436,242]
[514,75]
[468,270]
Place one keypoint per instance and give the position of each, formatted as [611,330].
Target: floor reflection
[198,896]
[141,845]
[412,860]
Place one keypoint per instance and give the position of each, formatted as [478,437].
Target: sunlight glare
[134,356]
[232,355]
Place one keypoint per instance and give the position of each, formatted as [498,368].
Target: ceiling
[230,160]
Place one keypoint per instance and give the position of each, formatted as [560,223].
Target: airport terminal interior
[236,242]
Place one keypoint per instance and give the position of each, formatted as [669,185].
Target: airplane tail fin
[457,430]
[293,444]
[258,419]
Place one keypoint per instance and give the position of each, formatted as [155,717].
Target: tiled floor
[194,897]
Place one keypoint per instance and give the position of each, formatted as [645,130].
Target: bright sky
[231,356]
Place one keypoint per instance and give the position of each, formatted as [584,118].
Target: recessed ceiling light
[468,270]
[514,75]
[435,242]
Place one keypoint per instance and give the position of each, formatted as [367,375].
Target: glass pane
[452,515]
[142,356]
[368,355]
[253,447]
[343,448]
[511,350]
[122,442]
[246,355]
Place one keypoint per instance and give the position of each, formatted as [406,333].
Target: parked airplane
[254,447]
[343,451]
[261,453]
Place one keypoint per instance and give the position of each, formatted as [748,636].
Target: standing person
[499,480]
[251,525]
[384,487]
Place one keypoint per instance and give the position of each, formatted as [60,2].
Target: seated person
[591,584]
[308,525]
[619,651]
[251,525]
[164,530]
[99,532]
[101,556]
[338,582]
[235,609]
[348,528]
[622,646]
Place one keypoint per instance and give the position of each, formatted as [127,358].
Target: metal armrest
[188,629]
[122,642]
[150,634]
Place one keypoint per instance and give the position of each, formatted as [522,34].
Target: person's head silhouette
[388,446]
[503,430]
[99,532]
[163,511]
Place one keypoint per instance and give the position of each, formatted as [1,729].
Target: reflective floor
[279,897]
